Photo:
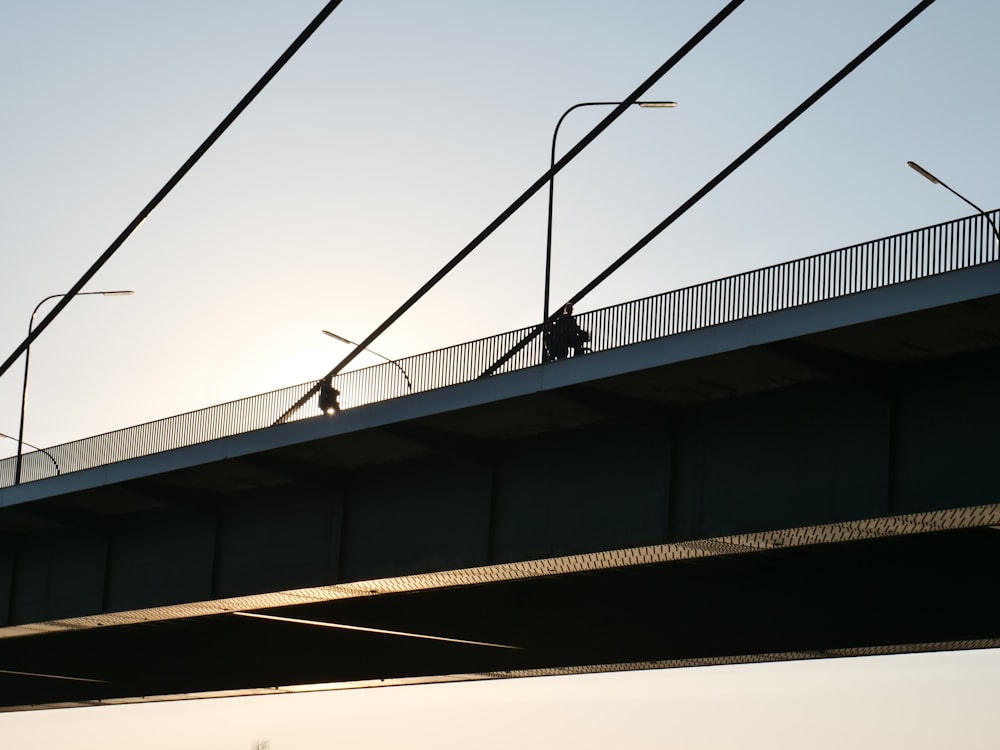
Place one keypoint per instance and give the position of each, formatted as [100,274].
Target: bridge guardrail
[929,251]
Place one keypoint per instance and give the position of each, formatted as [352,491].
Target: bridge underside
[731,601]
[826,494]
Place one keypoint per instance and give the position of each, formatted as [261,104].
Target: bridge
[795,462]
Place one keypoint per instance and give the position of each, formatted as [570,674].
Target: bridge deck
[814,481]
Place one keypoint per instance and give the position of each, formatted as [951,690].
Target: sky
[919,702]
[392,138]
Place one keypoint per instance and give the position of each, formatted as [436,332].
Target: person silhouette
[562,334]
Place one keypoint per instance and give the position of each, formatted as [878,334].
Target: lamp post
[27,354]
[552,180]
[921,171]
[409,385]
[33,447]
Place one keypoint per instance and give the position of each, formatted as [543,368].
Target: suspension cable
[172,182]
[520,201]
[733,166]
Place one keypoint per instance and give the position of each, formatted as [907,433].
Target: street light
[920,170]
[552,180]
[27,354]
[409,385]
[33,447]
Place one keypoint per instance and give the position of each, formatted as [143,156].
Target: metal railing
[917,254]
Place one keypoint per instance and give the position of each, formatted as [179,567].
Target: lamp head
[332,335]
[920,170]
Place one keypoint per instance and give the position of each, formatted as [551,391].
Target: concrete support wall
[287,536]
[603,487]
[801,456]
[829,451]
[418,516]
[57,575]
[948,437]
[158,555]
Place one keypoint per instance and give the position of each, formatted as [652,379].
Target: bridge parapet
[896,259]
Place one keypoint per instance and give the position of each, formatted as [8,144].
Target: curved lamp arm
[409,385]
[33,447]
[921,171]
[27,356]
[552,163]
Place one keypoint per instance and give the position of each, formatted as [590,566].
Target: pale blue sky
[396,135]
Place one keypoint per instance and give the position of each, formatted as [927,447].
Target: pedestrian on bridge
[563,334]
